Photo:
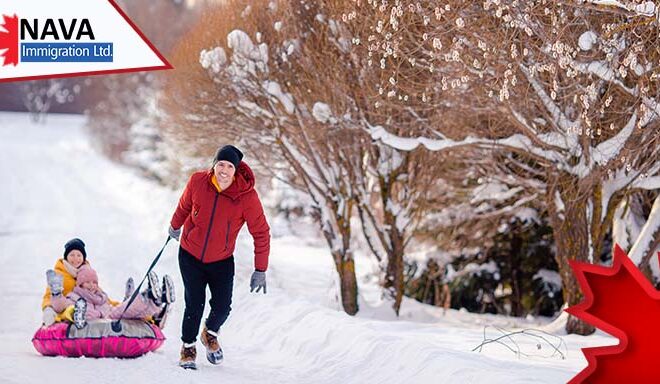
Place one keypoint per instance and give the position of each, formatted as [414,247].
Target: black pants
[219,277]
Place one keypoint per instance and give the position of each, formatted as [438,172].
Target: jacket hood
[59,265]
[243,181]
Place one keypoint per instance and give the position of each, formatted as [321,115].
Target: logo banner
[46,38]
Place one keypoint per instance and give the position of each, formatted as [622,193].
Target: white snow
[389,161]
[648,234]
[321,112]
[610,148]
[649,183]
[214,59]
[527,215]
[379,133]
[476,269]
[646,8]
[56,187]
[590,214]
[559,205]
[551,279]
[619,233]
[493,191]
[587,40]
[290,49]
[274,89]
[247,57]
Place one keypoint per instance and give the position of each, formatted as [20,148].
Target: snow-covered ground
[55,187]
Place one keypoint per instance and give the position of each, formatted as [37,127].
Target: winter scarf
[95,298]
[71,269]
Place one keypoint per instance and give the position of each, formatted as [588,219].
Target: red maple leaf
[9,40]
[622,302]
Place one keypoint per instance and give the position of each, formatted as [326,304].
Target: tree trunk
[348,282]
[515,261]
[337,233]
[446,297]
[570,227]
[394,283]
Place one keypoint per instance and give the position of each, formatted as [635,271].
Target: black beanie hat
[75,244]
[229,153]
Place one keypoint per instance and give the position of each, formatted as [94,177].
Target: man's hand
[258,281]
[174,233]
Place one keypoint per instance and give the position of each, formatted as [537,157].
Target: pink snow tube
[97,339]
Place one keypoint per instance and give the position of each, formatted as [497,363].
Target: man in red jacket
[214,206]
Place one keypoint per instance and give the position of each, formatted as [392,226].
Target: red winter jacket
[211,220]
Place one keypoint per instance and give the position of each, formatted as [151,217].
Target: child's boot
[130,288]
[79,312]
[168,290]
[153,290]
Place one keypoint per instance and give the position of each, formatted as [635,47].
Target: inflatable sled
[97,339]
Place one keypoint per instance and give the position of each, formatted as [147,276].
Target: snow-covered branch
[648,235]
[516,141]
[647,8]
[610,148]
[558,117]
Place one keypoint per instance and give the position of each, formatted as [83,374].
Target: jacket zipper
[227,237]
[208,232]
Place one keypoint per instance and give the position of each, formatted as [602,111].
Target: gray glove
[55,282]
[258,281]
[174,233]
[49,316]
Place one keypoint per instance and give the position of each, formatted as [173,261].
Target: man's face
[224,172]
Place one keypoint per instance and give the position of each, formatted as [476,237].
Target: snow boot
[168,290]
[153,290]
[130,288]
[188,356]
[79,312]
[161,317]
[55,282]
[213,351]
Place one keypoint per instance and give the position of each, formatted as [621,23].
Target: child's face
[75,258]
[90,285]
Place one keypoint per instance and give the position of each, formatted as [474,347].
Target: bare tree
[122,118]
[242,91]
[287,78]
[40,95]
[570,89]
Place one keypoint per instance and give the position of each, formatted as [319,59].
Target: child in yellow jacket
[90,302]
[62,279]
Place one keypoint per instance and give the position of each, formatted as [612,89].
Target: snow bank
[56,187]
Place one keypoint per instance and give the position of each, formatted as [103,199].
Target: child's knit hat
[75,244]
[86,275]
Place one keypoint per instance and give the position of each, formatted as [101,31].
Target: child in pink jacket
[91,302]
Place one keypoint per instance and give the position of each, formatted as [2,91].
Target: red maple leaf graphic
[622,302]
[9,40]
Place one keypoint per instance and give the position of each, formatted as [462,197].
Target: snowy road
[55,187]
